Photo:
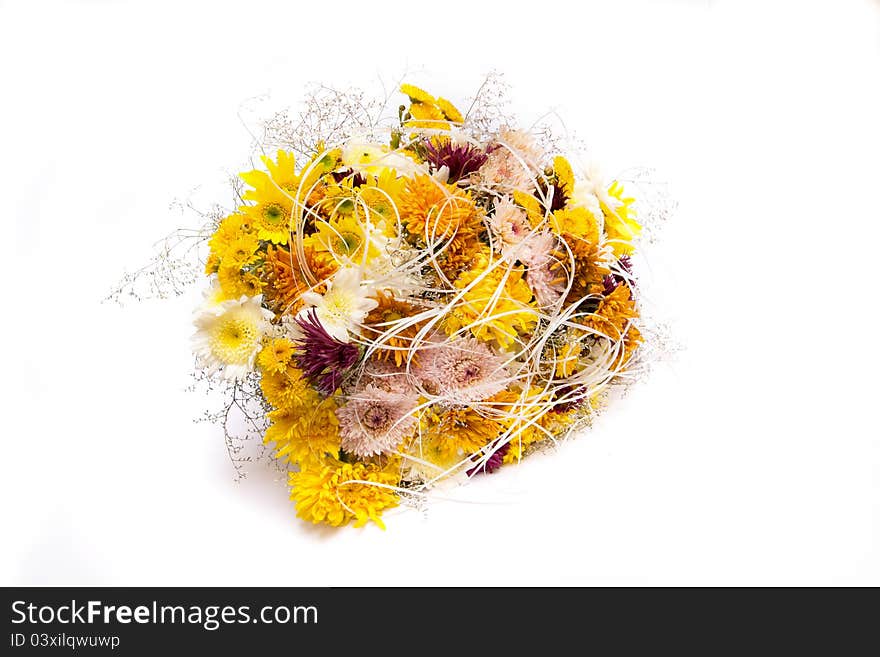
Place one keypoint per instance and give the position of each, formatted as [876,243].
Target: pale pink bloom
[374,421]
[537,249]
[546,282]
[388,376]
[463,370]
[509,225]
[513,162]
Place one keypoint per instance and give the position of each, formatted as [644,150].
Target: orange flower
[589,271]
[614,318]
[287,280]
[388,324]
[433,211]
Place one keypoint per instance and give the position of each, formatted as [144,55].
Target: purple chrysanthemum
[492,463]
[357,178]
[323,359]
[559,199]
[569,398]
[610,282]
[462,159]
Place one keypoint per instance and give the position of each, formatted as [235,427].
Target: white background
[751,459]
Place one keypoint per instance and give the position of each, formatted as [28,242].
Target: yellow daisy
[271,214]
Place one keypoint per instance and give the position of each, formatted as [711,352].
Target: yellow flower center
[233,341]
[338,305]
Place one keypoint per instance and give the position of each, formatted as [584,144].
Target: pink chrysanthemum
[464,370]
[374,421]
[546,282]
[510,226]
[388,376]
[513,162]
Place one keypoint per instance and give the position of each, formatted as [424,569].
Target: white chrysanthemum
[228,335]
[393,270]
[343,307]
[366,157]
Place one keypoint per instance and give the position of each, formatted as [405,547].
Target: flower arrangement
[431,301]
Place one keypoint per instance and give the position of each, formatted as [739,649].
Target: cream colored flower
[229,334]
[371,158]
[343,306]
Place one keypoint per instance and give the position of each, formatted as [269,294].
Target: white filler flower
[228,335]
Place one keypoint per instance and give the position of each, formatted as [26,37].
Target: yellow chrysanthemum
[450,111]
[231,229]
[416,94]
[335,493]
[235,281]
[272,195]
[614,314]
[429,112]
[590,269]
[497,304]
[575,225]
[455,433]
[426,112]
[212,263]
[281,173]
[275,356]
[344,239]
[532,206]
[621,226]
[241,252]
[427,116]
[287,389]
[614,318]
[567,358]
[380,198]
[305,434]
[564,175]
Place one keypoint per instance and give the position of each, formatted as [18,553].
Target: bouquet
[423,301]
